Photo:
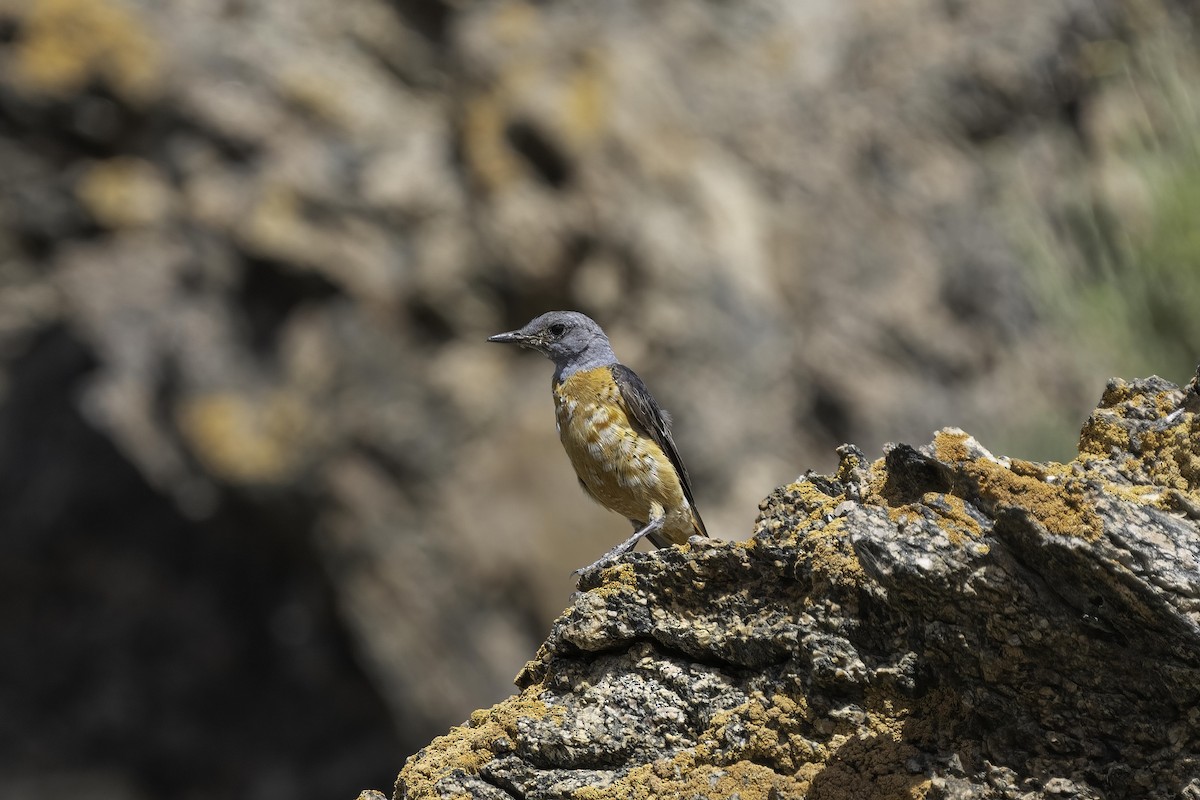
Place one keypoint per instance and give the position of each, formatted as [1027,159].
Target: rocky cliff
[938,623]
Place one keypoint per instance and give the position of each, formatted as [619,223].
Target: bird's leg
[653,526]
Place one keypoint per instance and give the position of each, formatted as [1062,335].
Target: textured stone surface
[940,623]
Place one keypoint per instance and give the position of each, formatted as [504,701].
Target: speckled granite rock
[941,623]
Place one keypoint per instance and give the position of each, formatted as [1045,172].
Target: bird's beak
[512,337]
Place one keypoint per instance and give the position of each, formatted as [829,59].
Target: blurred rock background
[274,515]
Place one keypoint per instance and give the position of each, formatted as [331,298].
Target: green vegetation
[1111,229]
[1120,268]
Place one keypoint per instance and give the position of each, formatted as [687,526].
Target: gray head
[573,341]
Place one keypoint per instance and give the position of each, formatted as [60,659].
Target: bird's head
[573,341]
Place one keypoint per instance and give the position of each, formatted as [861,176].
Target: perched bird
[616,436]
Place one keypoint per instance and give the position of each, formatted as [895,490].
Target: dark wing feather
[655,422]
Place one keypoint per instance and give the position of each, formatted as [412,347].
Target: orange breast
[619,467]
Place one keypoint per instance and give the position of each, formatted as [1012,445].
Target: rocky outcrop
[938,623]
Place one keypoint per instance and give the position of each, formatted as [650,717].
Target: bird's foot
[653,526]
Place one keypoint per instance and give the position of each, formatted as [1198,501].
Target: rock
[938,623]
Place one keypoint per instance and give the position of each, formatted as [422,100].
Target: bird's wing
[654,421]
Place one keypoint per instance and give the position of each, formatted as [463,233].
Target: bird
[616,436]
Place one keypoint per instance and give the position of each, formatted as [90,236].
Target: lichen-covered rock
[940,623]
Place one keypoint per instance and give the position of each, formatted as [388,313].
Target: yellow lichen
[949,510]
[679,777]
[487,152]
[951,447]
[779,751]
[870,762]
[1108,430]
[1164,456]
[125,192]
[775,731]
[468,747]
[317,93]
[1172,455]
[683,776]
[568,102]
[275,227]
[810,514]
[1166,402]
[515,22]
[1102,435]
[1049,492]
[244,439]
[808,497]
[877,479]
[1062,508]
[832,556]
[619,579]
[65,44]
[1117,391]
[586,99]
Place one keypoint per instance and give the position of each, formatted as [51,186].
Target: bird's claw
[624,547]
[607,559]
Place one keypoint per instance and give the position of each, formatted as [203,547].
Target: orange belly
[621,468]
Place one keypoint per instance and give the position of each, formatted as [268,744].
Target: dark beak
[512,337]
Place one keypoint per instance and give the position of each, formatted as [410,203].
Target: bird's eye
[557,329]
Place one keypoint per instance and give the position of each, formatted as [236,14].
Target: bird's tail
[678,533]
